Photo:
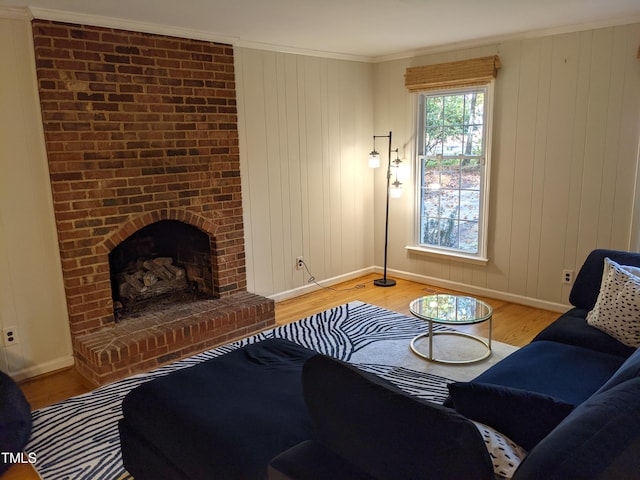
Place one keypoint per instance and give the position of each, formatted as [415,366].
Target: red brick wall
[138,128]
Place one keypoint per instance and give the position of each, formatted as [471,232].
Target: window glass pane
[431,206]
[473,108]
[448,233]
[431,174]
[453,110]
[471,171]
[452,139]
[433,141]
[473,140]
[450,173]
[449,203]
[469,237]
[469,205]
[434,111]
[440,232]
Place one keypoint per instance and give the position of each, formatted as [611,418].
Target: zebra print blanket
[77,439]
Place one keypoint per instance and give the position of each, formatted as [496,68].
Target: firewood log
[149,278]
[164,261]
[158,269]
[177,271]
[134,282]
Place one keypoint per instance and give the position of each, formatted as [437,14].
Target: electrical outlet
[299,263]
[567,277]
[10,336]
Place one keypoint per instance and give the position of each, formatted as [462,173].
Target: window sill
[455,256]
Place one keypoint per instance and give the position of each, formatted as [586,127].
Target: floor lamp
[393,189]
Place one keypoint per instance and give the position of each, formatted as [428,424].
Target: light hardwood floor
[512,323]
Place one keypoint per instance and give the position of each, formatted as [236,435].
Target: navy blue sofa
[15,420]
[274,409]
[571,398]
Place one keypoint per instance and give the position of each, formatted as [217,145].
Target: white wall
[565,153]
[31,290]
[305,133]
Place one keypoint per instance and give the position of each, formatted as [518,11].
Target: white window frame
[481,256]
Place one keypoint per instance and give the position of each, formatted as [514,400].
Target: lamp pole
[384,281]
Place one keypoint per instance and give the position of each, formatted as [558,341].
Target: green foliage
[454,124]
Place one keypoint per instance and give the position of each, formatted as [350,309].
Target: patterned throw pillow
[617,310]
[505,454]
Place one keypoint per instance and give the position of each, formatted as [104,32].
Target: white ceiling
[359,29]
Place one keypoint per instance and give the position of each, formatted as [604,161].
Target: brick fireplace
[141,130]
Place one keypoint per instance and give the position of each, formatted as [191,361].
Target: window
[453,132]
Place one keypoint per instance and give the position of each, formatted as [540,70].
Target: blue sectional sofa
[568,404]
[571,399]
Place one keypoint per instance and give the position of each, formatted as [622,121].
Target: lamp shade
[396,189]
[374,159]
[403,172]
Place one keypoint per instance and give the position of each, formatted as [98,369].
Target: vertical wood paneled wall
[305,127]
[565,153]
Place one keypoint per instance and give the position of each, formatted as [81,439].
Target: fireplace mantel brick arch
[228,267]
[139,222]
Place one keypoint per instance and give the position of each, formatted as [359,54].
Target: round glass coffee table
[451,310]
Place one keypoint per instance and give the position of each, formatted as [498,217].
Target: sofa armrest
[599,440]
[584,292]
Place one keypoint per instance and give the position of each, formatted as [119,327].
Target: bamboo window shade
[464,73]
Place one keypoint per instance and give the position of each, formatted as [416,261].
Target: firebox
[165,262]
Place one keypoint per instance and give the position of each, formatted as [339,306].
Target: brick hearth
[141,128]
[163,336]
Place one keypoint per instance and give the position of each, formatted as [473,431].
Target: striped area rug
[77,439]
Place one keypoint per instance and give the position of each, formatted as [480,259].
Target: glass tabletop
[451,309]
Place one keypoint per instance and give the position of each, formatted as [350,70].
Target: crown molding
[304,51]
[481,42]
[146,27]
[131,25]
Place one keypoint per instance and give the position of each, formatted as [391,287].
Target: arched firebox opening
[163,263]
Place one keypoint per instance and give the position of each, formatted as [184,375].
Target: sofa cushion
[387,433]
[600,439]
[525,417]
[226,417]
[629,369]
[565,372]
[584,292]
[617,310]
[572,328]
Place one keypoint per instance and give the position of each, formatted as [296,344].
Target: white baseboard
[474,290]
[436,282]
[312,287]
[42,368]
